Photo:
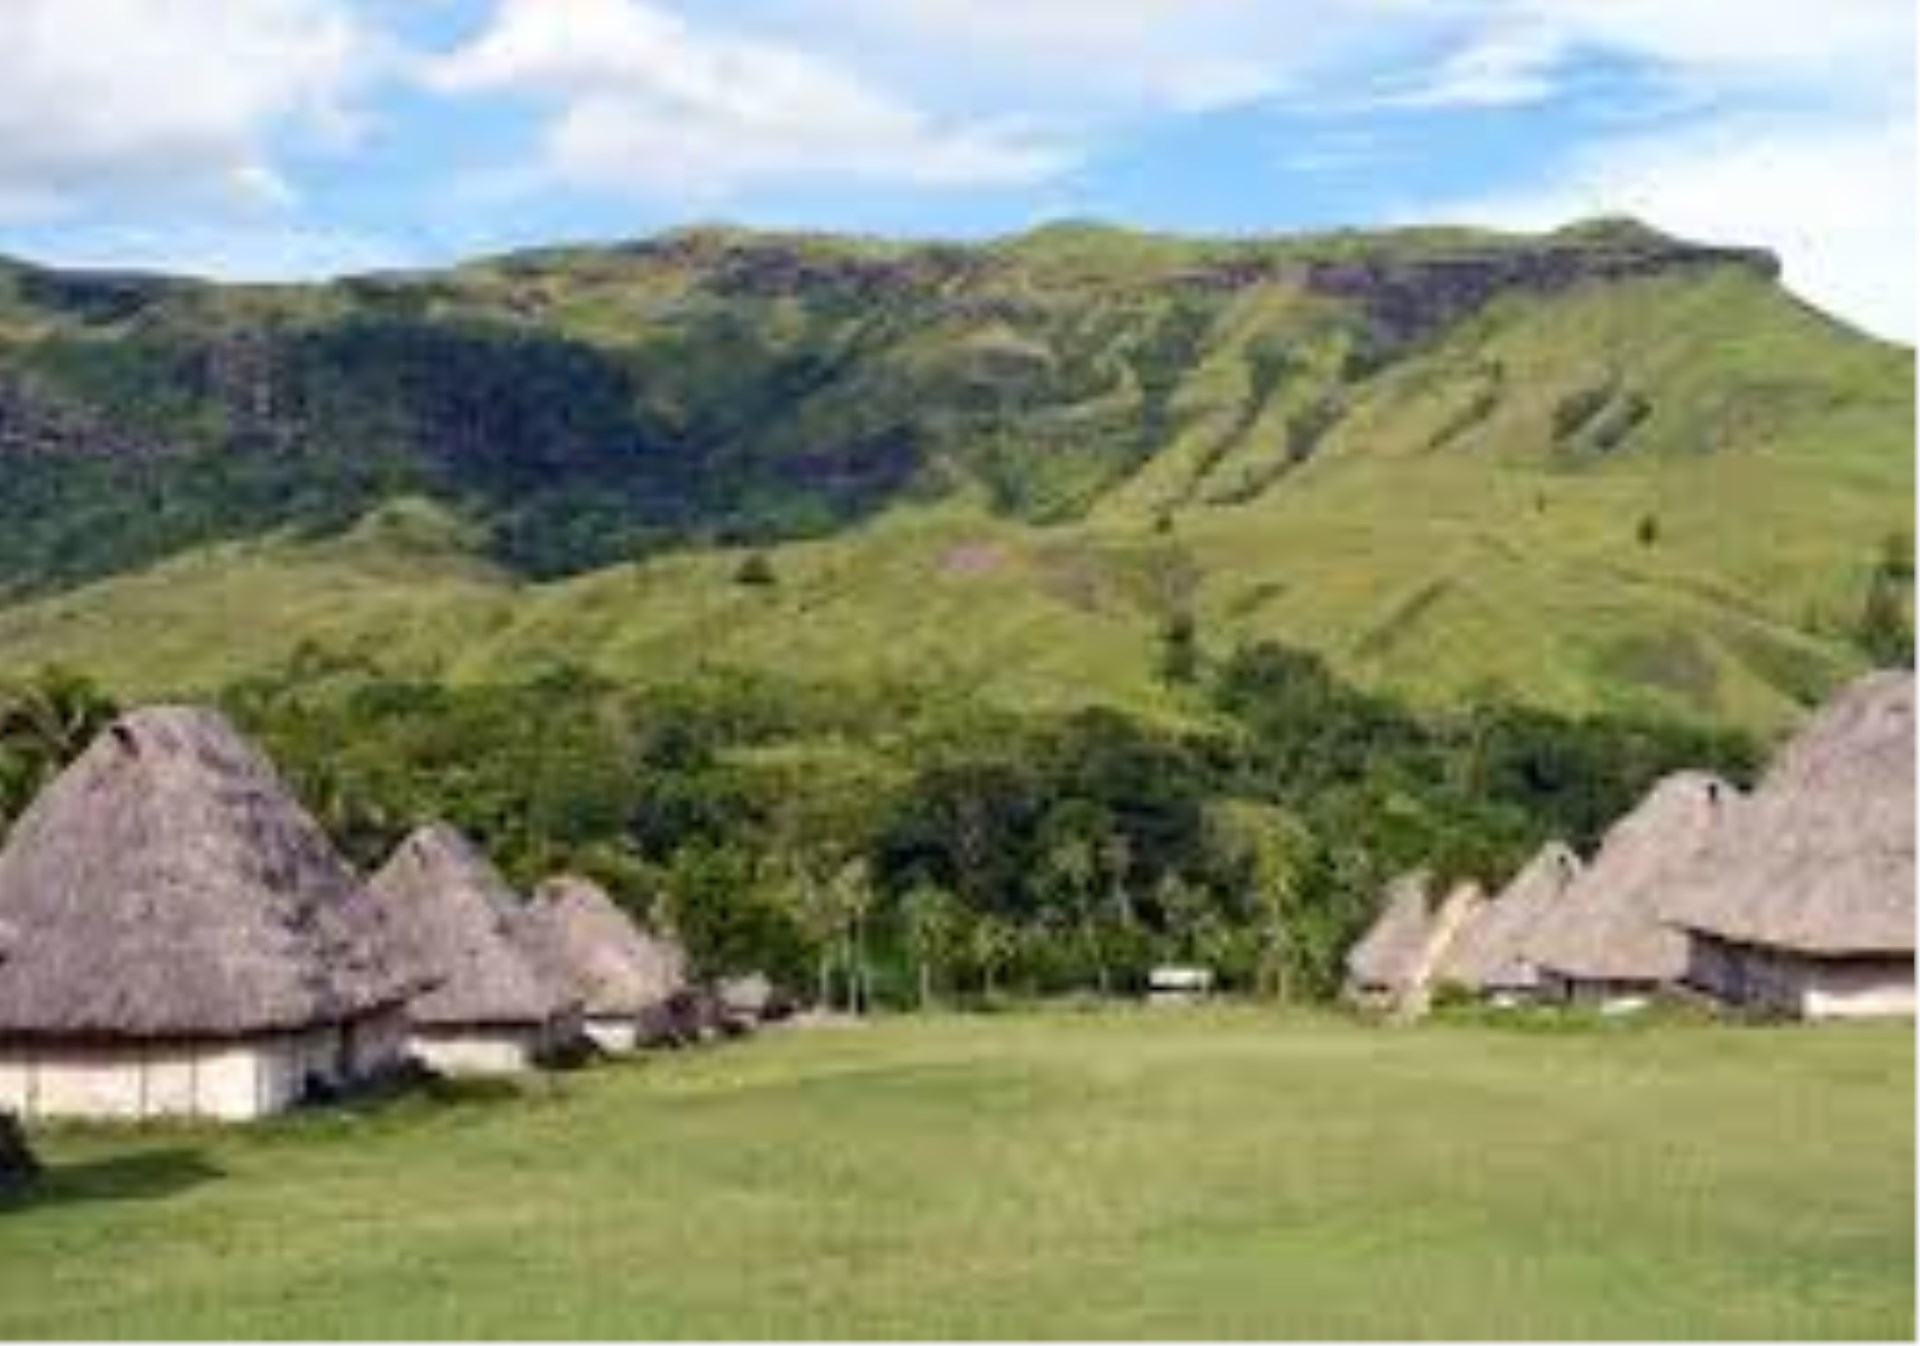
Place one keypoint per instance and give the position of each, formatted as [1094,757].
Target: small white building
[178,938]
[491,1005]
[1803,906]
[1179,985]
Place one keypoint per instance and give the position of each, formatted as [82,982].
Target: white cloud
[1505,66]
[1835,199]
[1768,38]
[650,102]
[134,100]
[265,249]
[1515,51]
[1097,58]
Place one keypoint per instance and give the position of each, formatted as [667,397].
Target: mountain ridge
[1359,442]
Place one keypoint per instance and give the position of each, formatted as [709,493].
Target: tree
[992,943]
[1896,555]
[852,896]
[729,916]
[1648,530]
[1264,849]
[817,914]
[1179,661]
[1885,627]
[45,722]
[930,917]
[1068,877]
[1184,910]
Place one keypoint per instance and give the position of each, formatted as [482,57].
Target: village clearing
[1211,1172]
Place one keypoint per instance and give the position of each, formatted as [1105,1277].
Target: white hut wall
[506,1050]
[614,1033]
[1859,988]
[225,1081]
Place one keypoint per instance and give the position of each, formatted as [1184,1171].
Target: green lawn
[1123,1174]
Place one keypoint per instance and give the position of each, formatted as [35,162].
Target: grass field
[1230,1173]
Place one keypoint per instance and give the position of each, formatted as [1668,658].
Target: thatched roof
[1389,956]
[1820,858]
[457,924]
[1606,925]
[167,885]
[614,967]
[1489,952]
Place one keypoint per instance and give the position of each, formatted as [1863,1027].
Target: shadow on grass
[405,1102]
[143,1175]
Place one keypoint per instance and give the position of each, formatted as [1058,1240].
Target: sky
[269,139]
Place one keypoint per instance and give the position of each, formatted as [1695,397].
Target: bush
[1179,650]
[755,572]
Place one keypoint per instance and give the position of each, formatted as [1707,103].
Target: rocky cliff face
[33,425]
[1410,298]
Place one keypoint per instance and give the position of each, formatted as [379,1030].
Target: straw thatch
[167,886]
[1397,962]
[1387,959]
[456,923]
[1820,859]
[616,969]
[1606,928]
[1489,956]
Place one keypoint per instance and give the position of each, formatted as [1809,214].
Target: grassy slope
[1223,1174]
[1775,457]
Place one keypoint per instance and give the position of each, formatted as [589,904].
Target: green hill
[1598,469]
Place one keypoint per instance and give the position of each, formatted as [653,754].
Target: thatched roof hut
[167,888]
[620,973]
[493,1002]
[1817,867]
[1386,961]
[1395,962]
[1820,857]
[1489,955]
[1606,934]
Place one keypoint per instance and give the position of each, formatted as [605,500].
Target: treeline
[873,844]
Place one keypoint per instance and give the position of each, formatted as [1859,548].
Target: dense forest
[891,849]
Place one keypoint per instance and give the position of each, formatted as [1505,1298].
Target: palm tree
[815,909]
[1070,873]
[45,723]
[991,942]
[928,911]
[852,890]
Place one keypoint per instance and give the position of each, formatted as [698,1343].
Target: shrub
[755,572]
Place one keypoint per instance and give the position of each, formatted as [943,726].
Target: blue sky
[271,138]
